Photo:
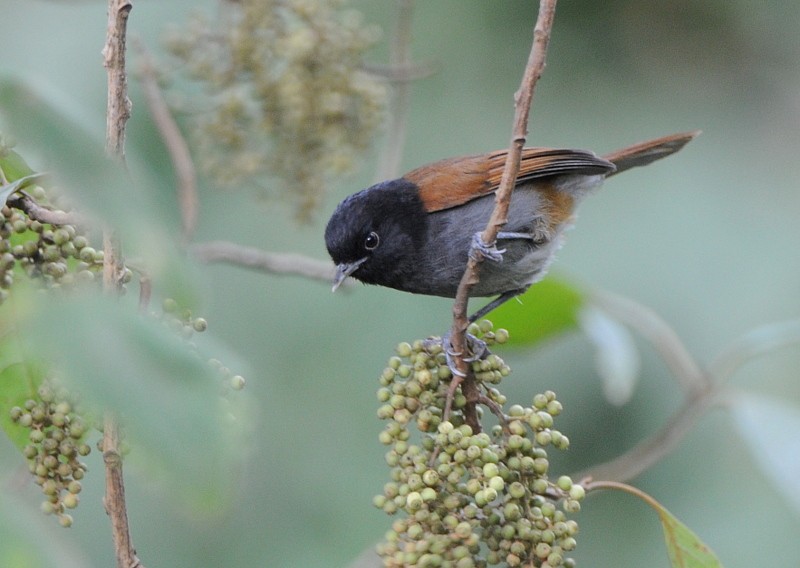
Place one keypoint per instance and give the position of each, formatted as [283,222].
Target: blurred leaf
[99,184]
[29,539]
[616,356]
[166,396]
[685,548]
[21,183]
[548,308]
[770,428]
[14,166]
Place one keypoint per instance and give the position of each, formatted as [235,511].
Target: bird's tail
[645,152]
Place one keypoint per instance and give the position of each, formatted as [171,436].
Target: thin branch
[270,262]
[756,342]
[402,73]
[648,452]
[173,139]
[399,58]
[117,114]
[522,99]
[35,211]
[599,485]
[115,496]
[118,109]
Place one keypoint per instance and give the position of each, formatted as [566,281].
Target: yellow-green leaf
[548,308]
[685,548]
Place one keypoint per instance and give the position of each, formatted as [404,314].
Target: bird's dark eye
[372,241]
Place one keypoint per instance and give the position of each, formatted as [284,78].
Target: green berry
[237,382]
[70,500]
[577,492]
[87,254]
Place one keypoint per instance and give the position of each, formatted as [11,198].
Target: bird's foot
[480,249]
[476,348]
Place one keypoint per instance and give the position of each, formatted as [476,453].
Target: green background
[708,238]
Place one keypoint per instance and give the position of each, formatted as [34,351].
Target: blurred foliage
[707,239]
[287,106]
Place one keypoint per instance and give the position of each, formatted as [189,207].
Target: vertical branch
[400,58]
[522,100]
[118,111]
[118,108]
[114,500]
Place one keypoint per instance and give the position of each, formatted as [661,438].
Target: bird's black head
[371,233]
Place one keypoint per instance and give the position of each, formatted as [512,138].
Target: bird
[416,233]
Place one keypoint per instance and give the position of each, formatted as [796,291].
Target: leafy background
[708,239]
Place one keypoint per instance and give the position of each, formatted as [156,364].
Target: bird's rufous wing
[455,181]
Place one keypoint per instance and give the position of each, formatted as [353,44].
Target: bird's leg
[491,251]
[496,303]
[476,347]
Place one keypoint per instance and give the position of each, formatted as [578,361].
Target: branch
[115,496]
[399,58]
[35,211]
[270,262]
[118,112]
[648,452]
[118,109]
[176,144]
[522,99]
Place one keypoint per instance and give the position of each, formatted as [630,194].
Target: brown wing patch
[455,181]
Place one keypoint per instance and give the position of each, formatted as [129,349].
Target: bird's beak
[344,270]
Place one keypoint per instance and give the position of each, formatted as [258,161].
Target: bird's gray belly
[450,238]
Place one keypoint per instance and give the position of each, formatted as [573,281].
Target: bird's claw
[476,348]
[485,250]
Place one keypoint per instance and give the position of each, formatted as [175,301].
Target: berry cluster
[288,93]
[54,255]
[55,448]
[470,498]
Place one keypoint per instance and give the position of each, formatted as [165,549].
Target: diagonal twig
[173,139]
[257,259]
[522,100]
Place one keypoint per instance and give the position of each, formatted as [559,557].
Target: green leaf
[166,396]
[98,184]
[547,309]
[18,383]
[16,185]
[14,166]
[685,548]
[770,428]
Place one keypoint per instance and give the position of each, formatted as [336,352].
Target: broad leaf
[685,548]
[165,394]
[18,382]
[770,429]
[547,309]
[16,185]
[14,166]
[98,184]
